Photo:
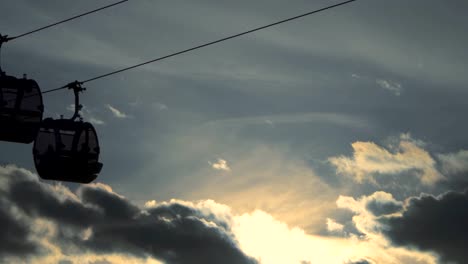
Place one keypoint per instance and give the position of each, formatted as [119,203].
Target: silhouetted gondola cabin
[21,109]
[67,150]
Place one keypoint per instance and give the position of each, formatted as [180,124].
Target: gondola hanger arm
[3,39]
[77,88]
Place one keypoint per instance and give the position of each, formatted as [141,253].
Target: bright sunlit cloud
[273,242]
[333,226]
[370,159]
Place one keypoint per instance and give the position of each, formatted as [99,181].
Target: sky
[336,138]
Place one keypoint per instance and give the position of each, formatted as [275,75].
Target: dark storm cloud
[456,183]
[113,206]
[172,232]
[14,232]
[433,223]
[175,240]
[14,236]
[39,200]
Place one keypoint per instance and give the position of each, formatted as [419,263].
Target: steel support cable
[200,46]
[65,20]
[5,38]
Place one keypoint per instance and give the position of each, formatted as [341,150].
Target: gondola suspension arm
[77,88]
[3,39]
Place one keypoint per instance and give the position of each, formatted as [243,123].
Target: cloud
[370,160]
[374,226]
[14,234]
[297,118]
[96,221]
[393,87]
[116,112]
[454,163]
[334,227]
[96,225]
[438,223]
[361,261]
[161,106]
[221,164]
[151,203]
[273,242]
[138,103]
[384,205]
[428,223]
[96,121]
[367,209]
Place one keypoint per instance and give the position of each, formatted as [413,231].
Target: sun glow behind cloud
[273,242]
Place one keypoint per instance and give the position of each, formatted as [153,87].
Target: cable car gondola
[67,149]
[21,106]
[21,109]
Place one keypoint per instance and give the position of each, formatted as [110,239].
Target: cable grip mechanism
[4,39]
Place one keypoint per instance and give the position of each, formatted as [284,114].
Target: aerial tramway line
[68,149]
[64,149]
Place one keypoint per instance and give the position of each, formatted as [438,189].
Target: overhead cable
[203,45]
[65,20]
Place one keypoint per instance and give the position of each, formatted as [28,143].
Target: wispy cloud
[154,105]
[160,106]
[96,121]
[454,163]
[269,122]
[394,87]
[297,118]
[116,112]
